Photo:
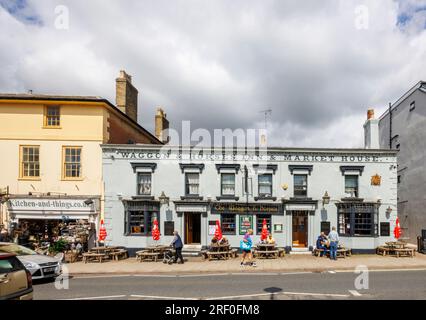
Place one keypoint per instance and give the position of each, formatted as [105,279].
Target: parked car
[40,266]
[15,280]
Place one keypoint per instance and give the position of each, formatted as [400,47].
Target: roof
[250,149]
[421,86]
[48,97]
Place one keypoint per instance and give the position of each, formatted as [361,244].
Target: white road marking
[202,275]
[95,298]
[101,276]
[331,271]
[161,297]
[383,270]
[355,293]
[281,293]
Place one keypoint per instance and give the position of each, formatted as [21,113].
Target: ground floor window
[259,222]
[357,219]
[228,223]
[140,217]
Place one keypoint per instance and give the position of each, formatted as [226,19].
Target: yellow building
[51,160]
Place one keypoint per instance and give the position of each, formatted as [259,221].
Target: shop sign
[300,207]
[191,208]
[246,223]
[236,208]
[49,205]
[212,227]
[278,228]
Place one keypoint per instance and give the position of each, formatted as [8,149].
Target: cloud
[219,63]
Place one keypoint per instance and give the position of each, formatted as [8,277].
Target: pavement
[331,285]
[290,263]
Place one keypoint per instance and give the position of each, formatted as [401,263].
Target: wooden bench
[217,254]
[317,252]
[343,252]
[89,256]
[407,252]
[233,253]
[119,254]
[265,254]
[383,250]
[147,256]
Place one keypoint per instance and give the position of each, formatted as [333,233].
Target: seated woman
[224,241]
[270,239]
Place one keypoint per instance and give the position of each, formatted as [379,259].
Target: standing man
[178,245]
[333,237]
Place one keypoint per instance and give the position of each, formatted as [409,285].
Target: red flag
[397,232]
[265,231]
[155,231]
[218,232]
[102,231]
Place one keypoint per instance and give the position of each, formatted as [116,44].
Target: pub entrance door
[192,228]
[300,229]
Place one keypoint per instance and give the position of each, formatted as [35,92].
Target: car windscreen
[10,264]
[16,249]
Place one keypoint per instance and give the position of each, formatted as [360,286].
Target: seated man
[270,239]
[321,243]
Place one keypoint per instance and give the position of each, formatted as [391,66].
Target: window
[357,219]
[192,183]
[144,184]
[30,162]
[399,179]
[351,186]
[265,185]
[228,224]
[384,229]
[52,117]
[140,217]
[300,185]
[72,163]
[259,222]
[228,184]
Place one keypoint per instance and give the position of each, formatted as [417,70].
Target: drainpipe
[390,125]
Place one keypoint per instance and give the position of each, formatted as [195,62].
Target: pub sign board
[243,208]
[246,223]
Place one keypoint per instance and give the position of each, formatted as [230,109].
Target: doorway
[192,228]
[300,229]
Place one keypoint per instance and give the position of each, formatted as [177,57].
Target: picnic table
[151,253]
[101,254]
[396,248]
[219,251]
[341,252]
[268,250]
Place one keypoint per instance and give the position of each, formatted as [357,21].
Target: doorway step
[295,250]
[191,250]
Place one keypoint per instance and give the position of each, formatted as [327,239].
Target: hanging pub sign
[243,208]
[246,223]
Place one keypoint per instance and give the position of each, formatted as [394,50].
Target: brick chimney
[126,95]
[161,126]
[371,131]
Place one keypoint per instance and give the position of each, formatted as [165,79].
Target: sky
[318,65]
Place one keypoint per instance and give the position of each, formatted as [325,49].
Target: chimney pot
[370,114]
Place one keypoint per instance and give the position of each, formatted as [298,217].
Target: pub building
[299,192]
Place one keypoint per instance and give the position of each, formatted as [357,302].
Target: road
[328,285]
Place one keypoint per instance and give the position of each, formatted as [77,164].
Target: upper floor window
[351,185]
[72,162]
[265,185]
[30,162]
[144,184]
[52,116]
[300,185]
[228,184]
[192,184]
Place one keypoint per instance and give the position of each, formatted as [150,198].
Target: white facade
[292,216]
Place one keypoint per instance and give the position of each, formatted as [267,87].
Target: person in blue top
[247,248]
[321,243]
[333,237]
[177,245]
